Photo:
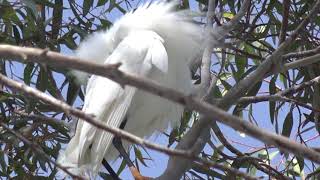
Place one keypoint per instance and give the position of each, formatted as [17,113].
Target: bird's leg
[118,145]
[135,173]
[113,174]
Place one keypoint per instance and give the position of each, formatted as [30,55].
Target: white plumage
[155,42]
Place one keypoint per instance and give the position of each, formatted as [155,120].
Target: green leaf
[263,154]
[30,4]
[241,63]
[27,73]
[252,170]
[287,125]
[139,155]
[120,8]
[204,2]
[42,164]
[122,166]
[42,80]
[272,104]
[283,79]
[16,34]
[300,161]
[228,15]
[101,2]
[105,23]
[73,91]
[3,163]
[68,40]
[217,93]
[87,4]
[79,30]
[255,89]
[226,85]
[172,137]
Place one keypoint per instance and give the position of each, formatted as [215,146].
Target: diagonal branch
[112,72]
[116,131]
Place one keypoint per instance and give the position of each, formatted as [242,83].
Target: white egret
[155,42]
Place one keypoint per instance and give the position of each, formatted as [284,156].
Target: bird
[154,41]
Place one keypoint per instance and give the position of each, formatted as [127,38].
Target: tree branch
[302,54]
[301,63]
[284,24]
[112,72]
[116,131]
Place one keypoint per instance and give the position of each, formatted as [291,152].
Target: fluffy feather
[155,42]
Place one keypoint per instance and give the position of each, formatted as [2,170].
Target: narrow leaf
[287,125]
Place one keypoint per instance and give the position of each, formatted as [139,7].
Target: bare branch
[42,119]
[257,99]
[302,54]
[116,131]
[284,24]
[301,63]
[223,30]
[280,96]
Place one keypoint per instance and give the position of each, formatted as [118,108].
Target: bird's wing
[109,102]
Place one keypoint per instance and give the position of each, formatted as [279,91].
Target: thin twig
[302,54]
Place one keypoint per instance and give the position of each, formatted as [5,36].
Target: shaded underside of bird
[156,42]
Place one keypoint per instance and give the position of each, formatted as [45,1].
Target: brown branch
[57,19]
[299,87]
[302,54]
[116,131]
[257,99]
[112,72]
[190,102]
[42,119]
[301,63]
[280,96]
[284,24]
